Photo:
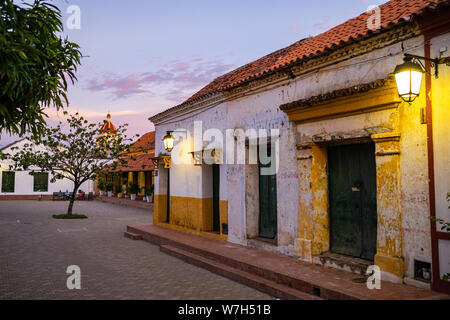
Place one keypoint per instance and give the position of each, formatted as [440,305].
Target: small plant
[101,185]
[109,185]
[134,188]
[445,226]
[117,188]
[148,191]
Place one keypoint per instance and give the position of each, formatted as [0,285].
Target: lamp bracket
[434,63]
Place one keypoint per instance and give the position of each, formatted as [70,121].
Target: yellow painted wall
[401,160]
[159,208]
[190,214]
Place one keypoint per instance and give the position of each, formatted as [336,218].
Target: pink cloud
[180,79]
[295,26]
[324,23]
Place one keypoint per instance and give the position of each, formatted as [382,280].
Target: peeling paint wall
[261,111]
[404,230]
[297,203]
[441,138]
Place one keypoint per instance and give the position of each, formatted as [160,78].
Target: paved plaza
[35,251]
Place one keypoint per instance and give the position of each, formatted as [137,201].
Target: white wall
[261,110]
[24,181]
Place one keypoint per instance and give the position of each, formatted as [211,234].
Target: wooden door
[267,203]
[353,200]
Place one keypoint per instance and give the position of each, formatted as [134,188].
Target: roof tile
[393,13]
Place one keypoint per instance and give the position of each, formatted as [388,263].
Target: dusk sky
[143,56]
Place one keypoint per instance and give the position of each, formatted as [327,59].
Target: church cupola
[108,127]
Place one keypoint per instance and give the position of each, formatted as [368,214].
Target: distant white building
[22,185]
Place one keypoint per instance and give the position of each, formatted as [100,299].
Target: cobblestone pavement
[35,251]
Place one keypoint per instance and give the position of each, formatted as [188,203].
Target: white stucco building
[22,185]
[359,174]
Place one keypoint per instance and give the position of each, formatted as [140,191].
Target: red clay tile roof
[393,13]
[141,162]
[146,142]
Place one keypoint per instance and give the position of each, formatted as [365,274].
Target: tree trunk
[72,200]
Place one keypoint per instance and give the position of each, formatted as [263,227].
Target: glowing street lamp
[408,75]
[168,141]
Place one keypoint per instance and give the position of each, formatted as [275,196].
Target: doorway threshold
[266,240]
[263,244]
[343,262]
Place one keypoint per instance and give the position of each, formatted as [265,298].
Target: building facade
[22,185]
[360,171]
[139,168]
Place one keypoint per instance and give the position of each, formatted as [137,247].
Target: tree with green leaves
[76,150]
[35,65]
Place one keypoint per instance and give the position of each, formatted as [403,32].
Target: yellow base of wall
[210,235]
[194,215]
[393,265]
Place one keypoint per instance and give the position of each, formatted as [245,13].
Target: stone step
[132,236]
[307,287]
[350,264]
[320,281]
[272,288]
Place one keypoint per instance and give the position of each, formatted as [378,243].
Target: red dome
[108,127]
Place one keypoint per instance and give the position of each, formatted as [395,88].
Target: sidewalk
[271,273]
[126,202]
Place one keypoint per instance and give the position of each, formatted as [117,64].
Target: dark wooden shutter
[8,179]
[40,182]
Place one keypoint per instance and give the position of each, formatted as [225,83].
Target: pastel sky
[144,56]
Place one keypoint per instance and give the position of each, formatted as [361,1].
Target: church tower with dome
[107,131]
[108,127]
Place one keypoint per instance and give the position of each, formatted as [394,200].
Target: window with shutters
[8,181]
[40,183]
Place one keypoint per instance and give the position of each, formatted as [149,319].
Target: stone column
[389,231]
[313,226]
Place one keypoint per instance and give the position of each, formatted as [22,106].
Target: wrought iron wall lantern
[168,141]
[408,75]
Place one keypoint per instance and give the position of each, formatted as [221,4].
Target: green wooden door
[267,204]
[353,200]
[216,197]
